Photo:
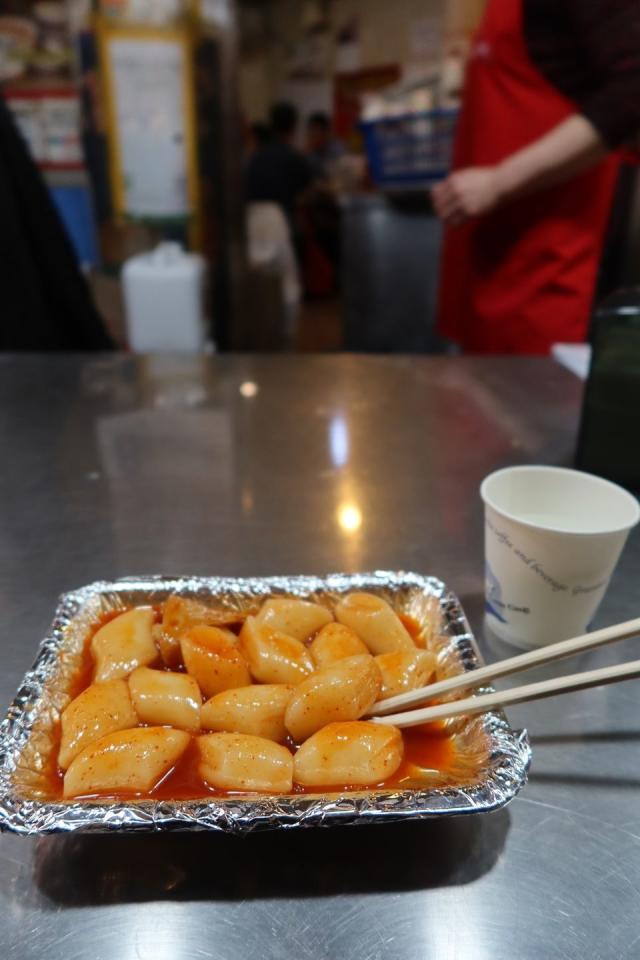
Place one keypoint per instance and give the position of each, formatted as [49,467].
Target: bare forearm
[568,149]
[571,147]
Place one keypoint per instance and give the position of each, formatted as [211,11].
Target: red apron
[523,277]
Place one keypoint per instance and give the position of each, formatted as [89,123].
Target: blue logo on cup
[493,594]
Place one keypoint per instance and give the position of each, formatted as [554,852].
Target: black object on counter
[609,438]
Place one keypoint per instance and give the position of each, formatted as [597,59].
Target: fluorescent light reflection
[349,517]
[249,389]
[338,441]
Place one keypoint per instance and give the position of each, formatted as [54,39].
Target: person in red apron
[534,171]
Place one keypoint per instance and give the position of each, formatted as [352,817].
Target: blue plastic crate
[412,150]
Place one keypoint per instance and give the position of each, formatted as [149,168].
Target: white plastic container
[164,300]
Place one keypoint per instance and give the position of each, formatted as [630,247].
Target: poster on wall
[49,121]
[156,12]
[37,45]
[36,57]
[151,121]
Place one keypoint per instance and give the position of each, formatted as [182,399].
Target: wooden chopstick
[504,668]
[531,691]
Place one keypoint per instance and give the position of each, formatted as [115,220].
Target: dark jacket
[45,303]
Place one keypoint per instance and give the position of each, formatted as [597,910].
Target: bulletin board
[149,101]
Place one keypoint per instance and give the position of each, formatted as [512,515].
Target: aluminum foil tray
[491,759]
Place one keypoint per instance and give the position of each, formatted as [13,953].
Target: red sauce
[427,746]
[411,625]
[84,675]
[183,782]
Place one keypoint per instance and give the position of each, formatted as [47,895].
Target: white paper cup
[552,540]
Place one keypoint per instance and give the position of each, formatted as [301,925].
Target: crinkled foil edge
[505,773]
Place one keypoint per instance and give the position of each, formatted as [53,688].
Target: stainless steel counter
[278,465]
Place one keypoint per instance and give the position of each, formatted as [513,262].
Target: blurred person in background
[322,241]
[277,172]
[552,91]
[258,135]
[323,150]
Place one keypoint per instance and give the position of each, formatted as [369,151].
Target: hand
[466,193]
